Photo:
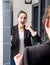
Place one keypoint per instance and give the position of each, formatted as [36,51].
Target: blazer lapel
[17,34]
[25,34]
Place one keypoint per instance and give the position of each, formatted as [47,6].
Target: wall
[6,32]
[1,33]
[34,1]
[20,5]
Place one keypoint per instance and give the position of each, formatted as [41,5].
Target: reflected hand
[27,27]
[18,59]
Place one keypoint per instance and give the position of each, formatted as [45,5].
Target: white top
[21,37]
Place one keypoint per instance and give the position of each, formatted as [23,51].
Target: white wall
[1,32]
[20,5]
[34,1]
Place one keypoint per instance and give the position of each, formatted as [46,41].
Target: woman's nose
[22,20]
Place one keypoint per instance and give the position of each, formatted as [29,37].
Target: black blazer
[16,42]
[37,55]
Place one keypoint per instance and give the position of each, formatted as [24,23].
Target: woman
[21,35]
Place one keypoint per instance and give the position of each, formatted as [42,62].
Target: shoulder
[14,27]
[40,47]
[47,43]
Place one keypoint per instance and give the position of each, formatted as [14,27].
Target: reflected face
[22,19]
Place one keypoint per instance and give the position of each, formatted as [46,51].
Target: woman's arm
[34,34]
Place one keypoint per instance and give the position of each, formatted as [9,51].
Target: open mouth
[22,22]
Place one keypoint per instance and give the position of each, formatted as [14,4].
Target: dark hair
[22,12]
[46,13]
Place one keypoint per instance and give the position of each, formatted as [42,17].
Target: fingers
[27,26]
[18,59]
[19,56]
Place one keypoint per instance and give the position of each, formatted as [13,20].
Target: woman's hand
[18,59]
[47,27]
[28,27]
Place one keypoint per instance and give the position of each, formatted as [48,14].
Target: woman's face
[22,19]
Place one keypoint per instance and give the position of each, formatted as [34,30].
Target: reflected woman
[21,35]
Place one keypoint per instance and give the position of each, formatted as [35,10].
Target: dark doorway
[42,28]
[35,20]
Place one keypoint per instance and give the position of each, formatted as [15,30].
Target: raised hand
[27,27]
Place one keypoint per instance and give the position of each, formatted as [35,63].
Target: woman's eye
[24,17]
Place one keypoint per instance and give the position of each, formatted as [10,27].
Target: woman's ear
[47,23]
